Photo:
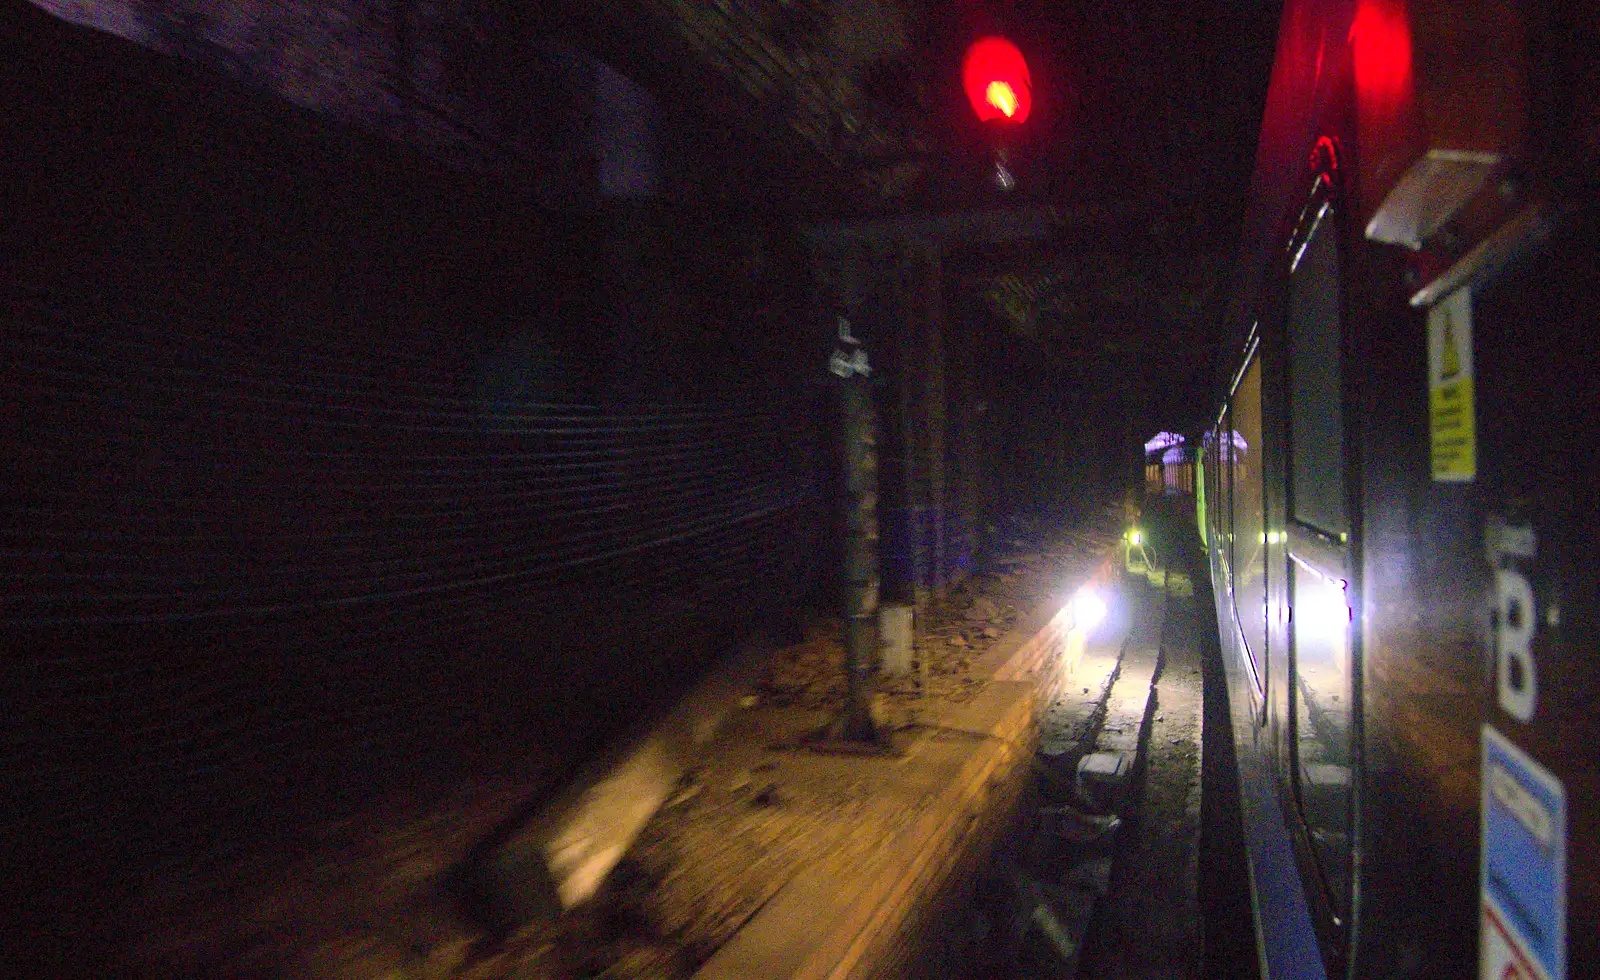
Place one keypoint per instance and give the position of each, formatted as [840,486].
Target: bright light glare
[1088,609]
[1135,536]
[1321,613]
[1000,95]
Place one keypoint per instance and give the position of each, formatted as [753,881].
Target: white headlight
[1088,609]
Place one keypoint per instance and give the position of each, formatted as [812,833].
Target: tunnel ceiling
[815,83]
[1141,140]
[1120,301]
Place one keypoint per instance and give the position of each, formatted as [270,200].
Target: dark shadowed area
[401,399]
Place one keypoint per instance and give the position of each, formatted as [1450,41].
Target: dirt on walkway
[373,898]
[749,821]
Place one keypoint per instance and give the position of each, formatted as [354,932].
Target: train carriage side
[1393,481]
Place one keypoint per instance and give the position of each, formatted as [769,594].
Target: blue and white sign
[1523,876]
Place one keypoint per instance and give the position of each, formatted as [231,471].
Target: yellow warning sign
[1452,412]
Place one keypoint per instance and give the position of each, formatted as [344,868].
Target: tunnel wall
[332,476]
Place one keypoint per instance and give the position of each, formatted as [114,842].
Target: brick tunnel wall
[327,470]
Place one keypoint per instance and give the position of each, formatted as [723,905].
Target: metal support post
[861,557]
[849,364]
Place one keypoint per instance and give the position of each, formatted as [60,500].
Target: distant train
[1168,464]
[1399,491]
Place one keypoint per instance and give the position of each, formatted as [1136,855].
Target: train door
[1222,523]
[1318,568]
[1248,541]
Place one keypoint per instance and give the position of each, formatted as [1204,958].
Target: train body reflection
[1397,545]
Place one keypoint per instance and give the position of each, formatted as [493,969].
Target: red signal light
[1382,50]
[996,79]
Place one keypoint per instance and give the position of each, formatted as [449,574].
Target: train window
[1322,709]
[1315,418]
[1224,504]
[1320,633]
[1218,498]
[1249,526]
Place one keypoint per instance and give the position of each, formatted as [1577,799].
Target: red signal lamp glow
[996,79]
[1382,40]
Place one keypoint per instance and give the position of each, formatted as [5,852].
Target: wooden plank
[842,919]
[560,854]
[836,921]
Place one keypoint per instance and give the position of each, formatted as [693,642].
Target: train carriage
[1397,505]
